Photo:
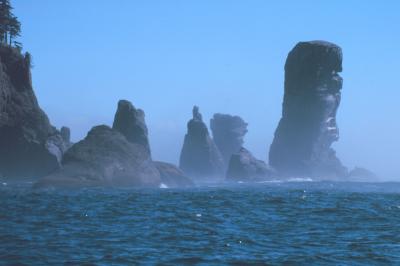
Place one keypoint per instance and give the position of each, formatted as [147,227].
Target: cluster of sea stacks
[120,155]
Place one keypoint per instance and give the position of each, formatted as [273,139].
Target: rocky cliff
[29,145]
[200,157]
[307,129]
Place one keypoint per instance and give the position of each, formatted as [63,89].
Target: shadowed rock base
[243,166]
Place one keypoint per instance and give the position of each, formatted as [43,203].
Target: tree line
[10,27]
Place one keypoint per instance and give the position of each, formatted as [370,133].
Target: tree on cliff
[10,27]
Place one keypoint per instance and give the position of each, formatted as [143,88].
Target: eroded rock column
[307,129]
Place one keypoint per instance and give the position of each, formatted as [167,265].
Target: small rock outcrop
[105,158]
[243,166]
[302,142]
[200,157]
[172,176]
[30,146]
[131,123]
[228,132]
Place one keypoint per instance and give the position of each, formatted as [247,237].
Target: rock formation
[30,146]
[172,176]
[228,132]
[302,143]
[118,156]
[200,157]
[130,122]
[243,166]
[66,134]
[104,158]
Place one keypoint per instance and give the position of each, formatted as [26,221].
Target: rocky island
[307,129]
[200,157]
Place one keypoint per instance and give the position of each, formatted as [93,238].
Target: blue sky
[225,56]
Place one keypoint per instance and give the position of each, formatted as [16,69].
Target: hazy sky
[225,56]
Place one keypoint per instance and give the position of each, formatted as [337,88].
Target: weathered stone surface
[200,157]
[105,158]
[243,166]
[302,143]
[131,123]
[228,132]
[30,146]
[172,176]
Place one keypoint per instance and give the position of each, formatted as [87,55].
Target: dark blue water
[289,223]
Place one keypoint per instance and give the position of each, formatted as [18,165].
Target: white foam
[162,185]
[270,181]
[300,179]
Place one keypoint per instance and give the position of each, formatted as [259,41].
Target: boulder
[200,157]
[130,122]
[243,166]
[172,176]
[228,132]
[307,129]
[30,146]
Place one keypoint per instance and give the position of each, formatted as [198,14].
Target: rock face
[243,166]
[302,143]
[105,158]
[200,157]
[130,122]
[228,132]
[30,146]
[172,176]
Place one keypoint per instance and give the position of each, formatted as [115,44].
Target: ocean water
[300,223]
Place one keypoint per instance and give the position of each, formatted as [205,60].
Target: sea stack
[307,129]
[30,146]
[117,156]
[130,122]
[228,132]
[200,157]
